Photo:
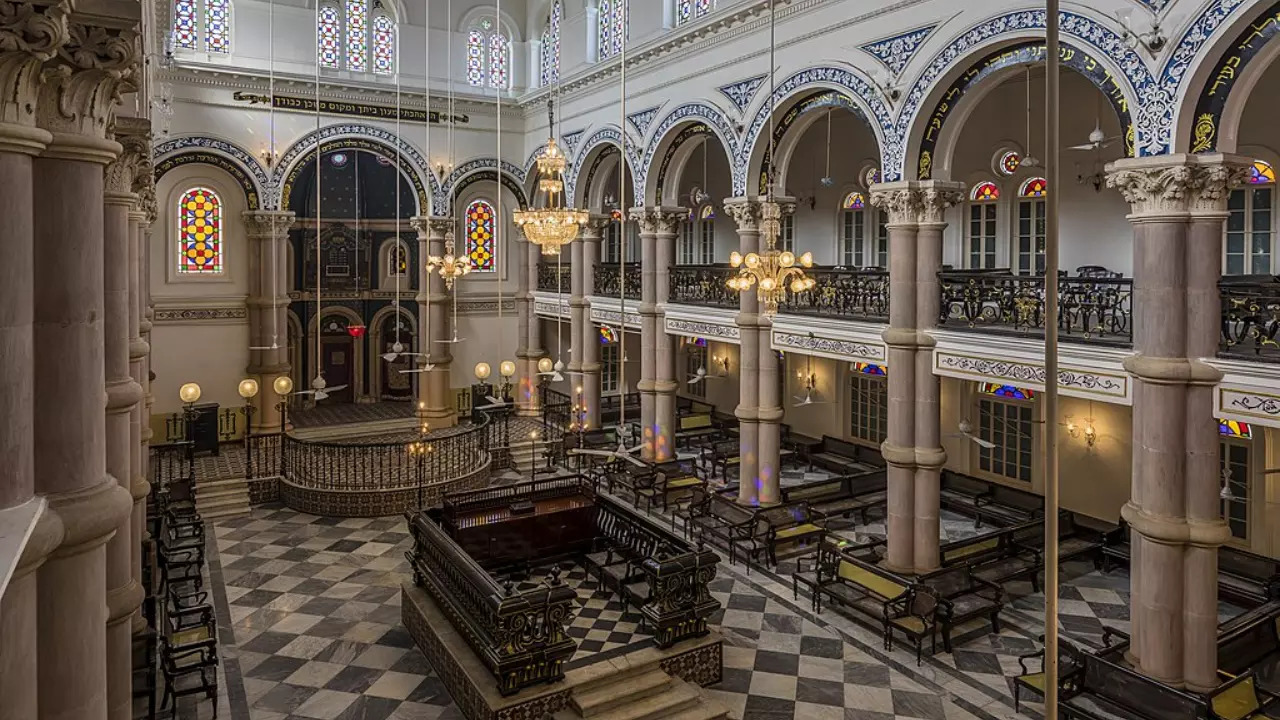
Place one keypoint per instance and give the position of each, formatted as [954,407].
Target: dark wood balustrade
[1092,309]
[554,277]
[605,282]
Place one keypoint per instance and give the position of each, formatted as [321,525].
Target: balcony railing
[1250,317]
[839,292]
[1093,309]
[702,285]
[606,280]
[554,277]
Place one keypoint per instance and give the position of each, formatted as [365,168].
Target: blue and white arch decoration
[570,140]
[223,147]
[709,115]
[643,119]
[1151,101]
[608,135]
[1177,67]
[307,144]
[895,52]
[444,197]
[742,92]
[532,159]
[870,104]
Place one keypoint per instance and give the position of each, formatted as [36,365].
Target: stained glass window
[1006,391]
[701,7]
[1261,173]
[499,59]
[1035,187]
[384,44]
[357,34]
[871,177]
[481,226]
[550,71]
[687,10]
[618,25]
[984,192]
[708,212]
[854,201]
[863,368]
[397,261]
[1010,162]
[184,24]
[607,335]
[200,232]
[327,36]
[475,58]
[1235,429]
[217,26]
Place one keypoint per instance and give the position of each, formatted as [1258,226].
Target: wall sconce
[723,362]
[1087,430]
[443,169]
[268,157]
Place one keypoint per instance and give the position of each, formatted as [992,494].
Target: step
[664,705]
[229,511]
[629,689]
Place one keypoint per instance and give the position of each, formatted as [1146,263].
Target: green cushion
[971,549]
[1034,680]
[683,482]
[878,584]
[695,422]
[913,624]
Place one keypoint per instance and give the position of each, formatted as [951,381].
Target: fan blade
[984,443]
[696,379]
[1086,146]
[391,357]
[265,347]
[453,340]
[321,395]
[334,389]
[495,400]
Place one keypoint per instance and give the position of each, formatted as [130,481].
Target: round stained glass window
[1010,162]
[871,176]
[338,159]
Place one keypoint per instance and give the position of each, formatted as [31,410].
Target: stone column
[139,486]
[523,299]
[902,203]
[124,593]
[38,37]
[770,411]
[70,437]
[531,382]
[435,404]
[657,384]
[268,301]
[586,341]
[746,213]
[1178,205]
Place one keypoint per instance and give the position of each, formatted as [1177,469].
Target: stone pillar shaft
[268,302]
[746,212]
[586,340]
[650,437]
[434,396]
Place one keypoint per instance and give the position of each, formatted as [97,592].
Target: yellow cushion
[877,584]
[695,422]
[1035,680]
[914,624]
[734,460]
[797,530]
[973,549]
[186,637]
[683,482]
[1241,701]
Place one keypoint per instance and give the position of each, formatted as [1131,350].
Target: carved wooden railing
[1094,310]
[605,282]
[838,292]
[554,277]
[1250,317]
[702,285]
[521,636]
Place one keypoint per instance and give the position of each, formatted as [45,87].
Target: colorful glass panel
[200,232]
[1035,187]
[984,192]
[701,7]
[1235,429]
[217,26]
[357,35]
[184,24]
[863,368]
[384,45]
[1261,173]
[618,25]
[607,335]
[1006,391]
[700,342]
[327,37]
[475,58]
[604,30]
[1010,162]
[480,227]
[708,212]
[684,11]
[499,58]
[853,201]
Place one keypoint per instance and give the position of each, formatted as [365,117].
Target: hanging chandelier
[774,272]
[450,267]
[552,226]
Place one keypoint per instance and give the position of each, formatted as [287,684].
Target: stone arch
[1111,53]
[669,142]
[355,136]
[592,148]
[862,94]
[232,159]
[478,170]
[358,345]
[377,364]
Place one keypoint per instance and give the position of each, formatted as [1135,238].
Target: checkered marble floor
[309,609]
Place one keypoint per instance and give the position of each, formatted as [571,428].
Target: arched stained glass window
[202,25]
[480,226]
[853,201]
[499,59]
[1235,429]
[475,58]
[384,44]
[1261,173]
[397,261]
[488,56]
[687,10]
[550,68]
[708,212]
[984,192]
[200,232]
[1006,391]
[327,33]
[618,26]
[1034,188]
[863,368]
[357,35]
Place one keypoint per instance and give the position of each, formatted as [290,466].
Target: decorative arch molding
[1216,102]
[226,156]
[702,113]
[607,135]
[1151,132]
[358,137]
[1077,59]
[865,96]
[696,130]
[1202,33]
[476,170]
[785,146]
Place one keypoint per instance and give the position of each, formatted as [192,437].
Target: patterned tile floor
[310,616]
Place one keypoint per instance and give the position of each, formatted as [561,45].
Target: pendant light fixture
[554,225]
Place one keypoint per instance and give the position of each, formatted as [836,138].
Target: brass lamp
[554,225]
[774,272]
[450,266]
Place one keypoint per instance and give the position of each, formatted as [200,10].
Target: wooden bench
[691,427]
[1103,688]
[711,515]
[964,596]
[1252,645]
[889,599]
[1069,660]
[1240,698]
[988,502]
[844,495]
[794,522]
[843,457]
[674,483]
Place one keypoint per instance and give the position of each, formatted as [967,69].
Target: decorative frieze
[895,52]
[643,119]
[194,315]
[613,317]
[695,328]
[1071,381]
[1253,404]
[829,347]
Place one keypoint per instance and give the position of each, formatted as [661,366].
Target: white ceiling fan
[556,373]
[966,431]
[1029,160]
[698,376]
[320,389]
[1097,139]
[622,452]
[275,344]
[455,339]
[809,398]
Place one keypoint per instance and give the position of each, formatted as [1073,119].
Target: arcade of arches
[269,295]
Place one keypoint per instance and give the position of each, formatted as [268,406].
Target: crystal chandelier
[553,225]
[773,272]
[450,267]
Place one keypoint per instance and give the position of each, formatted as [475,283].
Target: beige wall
[826,416]
[722,392]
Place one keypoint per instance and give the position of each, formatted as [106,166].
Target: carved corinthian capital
[131,171]
[746,213]
[267,224]
[1213,179]
[936,198]
[30,35]
[84,83]
[902,204]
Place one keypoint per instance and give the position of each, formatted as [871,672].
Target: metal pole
[1052,176]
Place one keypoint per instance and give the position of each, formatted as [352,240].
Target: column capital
[432,226]
[658,220]
[745,212]
[1174,185]
[129,171]
[98,63]
[593,231]
[936,196]
[267,224]
[900,200]
[30,34]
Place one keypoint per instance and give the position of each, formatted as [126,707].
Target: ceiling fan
[455,339]
[555,373]
[966,431]
[1097,139]
[622,452]
[808,398]
[1029,160]
[698,376]
[320,389]
[275,344]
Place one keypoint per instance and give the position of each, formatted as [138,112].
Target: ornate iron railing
[839,292]
[554,277]
[702,285]
[605,282]
[1250,318]
[1094,310]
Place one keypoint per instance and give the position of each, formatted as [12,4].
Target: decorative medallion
[741,92]
[896,52]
